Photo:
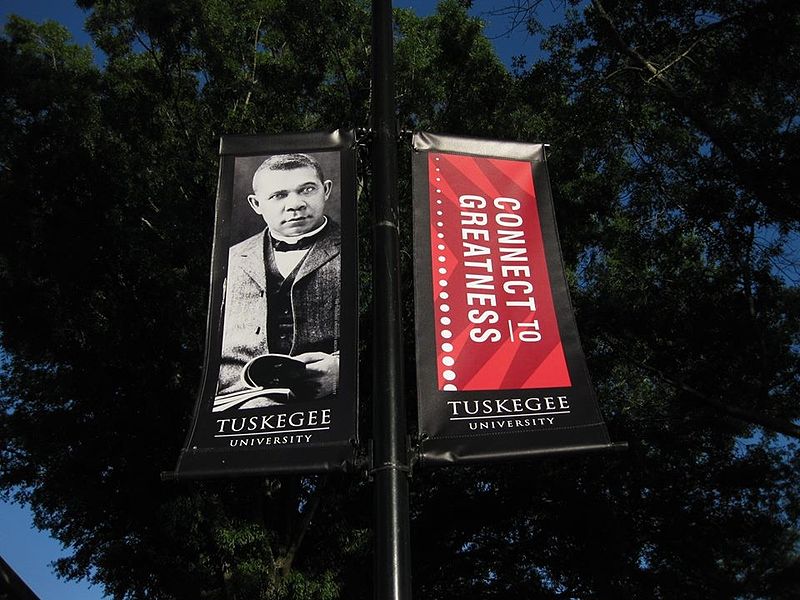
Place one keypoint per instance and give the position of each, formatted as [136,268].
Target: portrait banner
[500,370]
[279,387]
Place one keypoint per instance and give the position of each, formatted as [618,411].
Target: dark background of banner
[443,441]
[203,455]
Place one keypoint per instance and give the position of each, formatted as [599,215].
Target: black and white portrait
[282,299]
[280,376]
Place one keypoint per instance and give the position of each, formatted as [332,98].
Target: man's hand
[322,373]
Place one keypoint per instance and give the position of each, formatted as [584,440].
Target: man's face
[291,202]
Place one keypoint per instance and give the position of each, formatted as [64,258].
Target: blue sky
[31,552]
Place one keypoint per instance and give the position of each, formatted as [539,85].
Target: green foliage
[674,144]
[446,69]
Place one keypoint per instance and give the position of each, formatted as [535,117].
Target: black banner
[279,389]
[500,369]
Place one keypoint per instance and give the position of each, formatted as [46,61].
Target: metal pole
[390,453]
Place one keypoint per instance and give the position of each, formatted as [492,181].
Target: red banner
[494,307]
[500,368]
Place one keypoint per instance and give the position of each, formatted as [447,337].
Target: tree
[108,184]
[683,301]
[677,235]
[689,318]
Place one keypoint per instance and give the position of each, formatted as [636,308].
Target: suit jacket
[315,299]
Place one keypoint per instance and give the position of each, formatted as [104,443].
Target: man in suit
[282,292]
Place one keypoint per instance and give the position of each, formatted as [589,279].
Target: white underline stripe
[272,432]
[512,415]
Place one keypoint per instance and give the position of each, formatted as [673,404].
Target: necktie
[301,244]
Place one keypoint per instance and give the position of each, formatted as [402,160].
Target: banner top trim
[244,144]
[426,141]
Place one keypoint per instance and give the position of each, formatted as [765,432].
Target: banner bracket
[364,135]
[393,466]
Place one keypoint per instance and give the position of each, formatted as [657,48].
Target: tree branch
[677,59]
[742,167]
[774,424]
[253,79]
[777,425]
[299,532]
[520,13]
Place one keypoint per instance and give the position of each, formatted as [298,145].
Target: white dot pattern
[447,366]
